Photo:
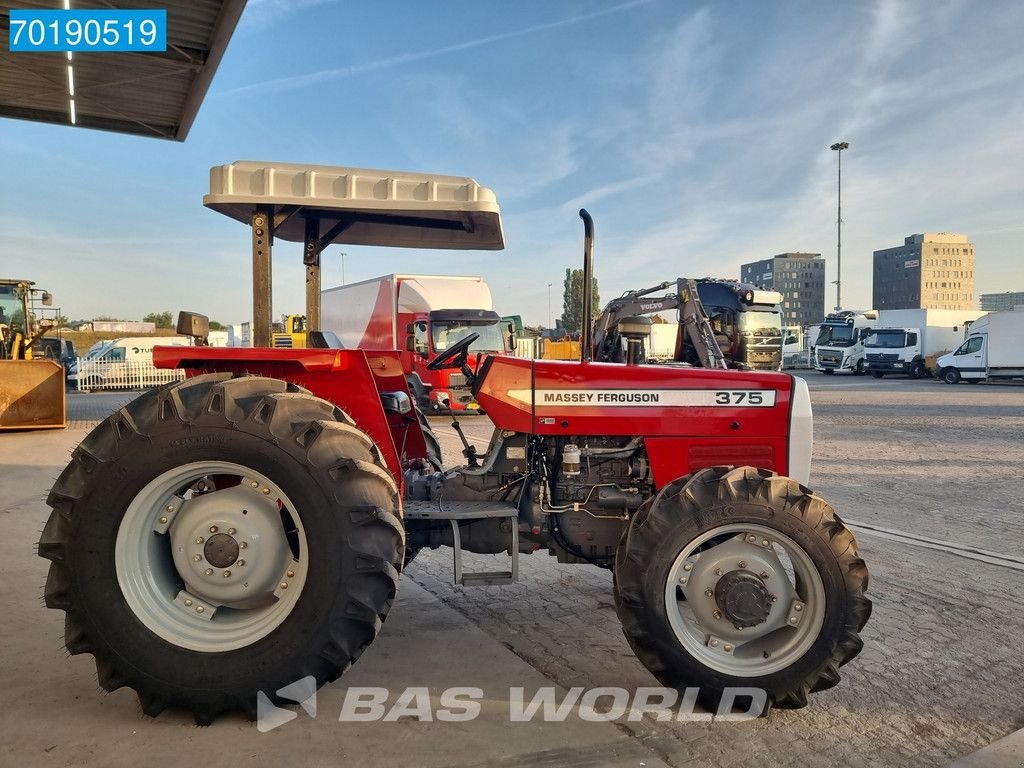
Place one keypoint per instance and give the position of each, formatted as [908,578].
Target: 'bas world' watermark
[461,704]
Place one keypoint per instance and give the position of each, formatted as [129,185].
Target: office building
[799,277]
[934,270]
[1002,302]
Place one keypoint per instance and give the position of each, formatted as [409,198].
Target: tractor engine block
[595,484]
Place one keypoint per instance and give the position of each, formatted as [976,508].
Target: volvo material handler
[232,533]
[746,321]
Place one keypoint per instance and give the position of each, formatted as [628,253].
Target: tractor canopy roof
[360,206]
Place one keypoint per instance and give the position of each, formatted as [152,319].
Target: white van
[125,364]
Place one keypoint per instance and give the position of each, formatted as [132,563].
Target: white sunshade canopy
[386,208]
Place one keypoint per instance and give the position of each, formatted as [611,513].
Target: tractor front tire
[219,538]
[740,578]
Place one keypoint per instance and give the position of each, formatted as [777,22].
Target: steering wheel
[458,351]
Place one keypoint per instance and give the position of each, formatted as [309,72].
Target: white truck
[124,364]
[840,342]
[910,341]
[994,349]
[419,315]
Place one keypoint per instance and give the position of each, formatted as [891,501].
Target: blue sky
[696,134]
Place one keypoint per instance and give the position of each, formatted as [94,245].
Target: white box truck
[420,316]
[994,349]
[910,341]
[125,364]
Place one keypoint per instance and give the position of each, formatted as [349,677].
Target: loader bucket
[31,395]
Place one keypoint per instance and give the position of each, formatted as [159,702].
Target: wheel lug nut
[714,642]
[687,567]
[213,529]
[727,648]
[240,563]
[163,519]
[764,574]
[199,539]
[718,571]
[208,572]
[199,609]
[188,603]
[243,545]
[284,585]
[798,607]
[764,542]
[197,558]
[717,614]
[266,491]
[792,620]
[708,592]
[742,563]
[231,531]
[227,574]
[291,574]
[254,484]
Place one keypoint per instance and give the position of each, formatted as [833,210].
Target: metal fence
[107,375]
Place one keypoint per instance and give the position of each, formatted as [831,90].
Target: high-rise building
[799,277]
[1001,302]
[934,270]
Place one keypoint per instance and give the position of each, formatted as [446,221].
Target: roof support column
[262,290]
[311,258]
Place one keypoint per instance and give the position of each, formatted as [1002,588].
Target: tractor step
[461,511]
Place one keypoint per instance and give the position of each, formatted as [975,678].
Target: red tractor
[247,527]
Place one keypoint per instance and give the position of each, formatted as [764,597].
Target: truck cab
[840,342]
[894,350]
[434,333]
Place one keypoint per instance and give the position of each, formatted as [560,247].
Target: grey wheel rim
[211,569]
[722,578]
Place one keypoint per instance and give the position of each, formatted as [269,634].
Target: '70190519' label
[87,30]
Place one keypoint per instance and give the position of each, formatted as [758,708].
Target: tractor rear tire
[735,506]
[265,457]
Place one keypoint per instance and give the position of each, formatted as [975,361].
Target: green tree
[162,319]
[572,300]
[215,326]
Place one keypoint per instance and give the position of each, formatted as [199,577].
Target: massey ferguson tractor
[247,527]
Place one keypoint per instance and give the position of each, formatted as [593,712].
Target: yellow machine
[31,391]
[560,350]
[292,334]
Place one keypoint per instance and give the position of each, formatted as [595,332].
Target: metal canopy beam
[262,288]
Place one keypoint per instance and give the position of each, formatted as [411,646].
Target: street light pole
[343,255]
[549,305]
[839,146]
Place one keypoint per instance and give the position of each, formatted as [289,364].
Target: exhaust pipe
[586,353]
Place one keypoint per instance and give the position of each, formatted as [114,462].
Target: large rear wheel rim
[795,594]
[214,570]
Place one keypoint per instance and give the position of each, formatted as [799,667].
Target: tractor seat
[323,340]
